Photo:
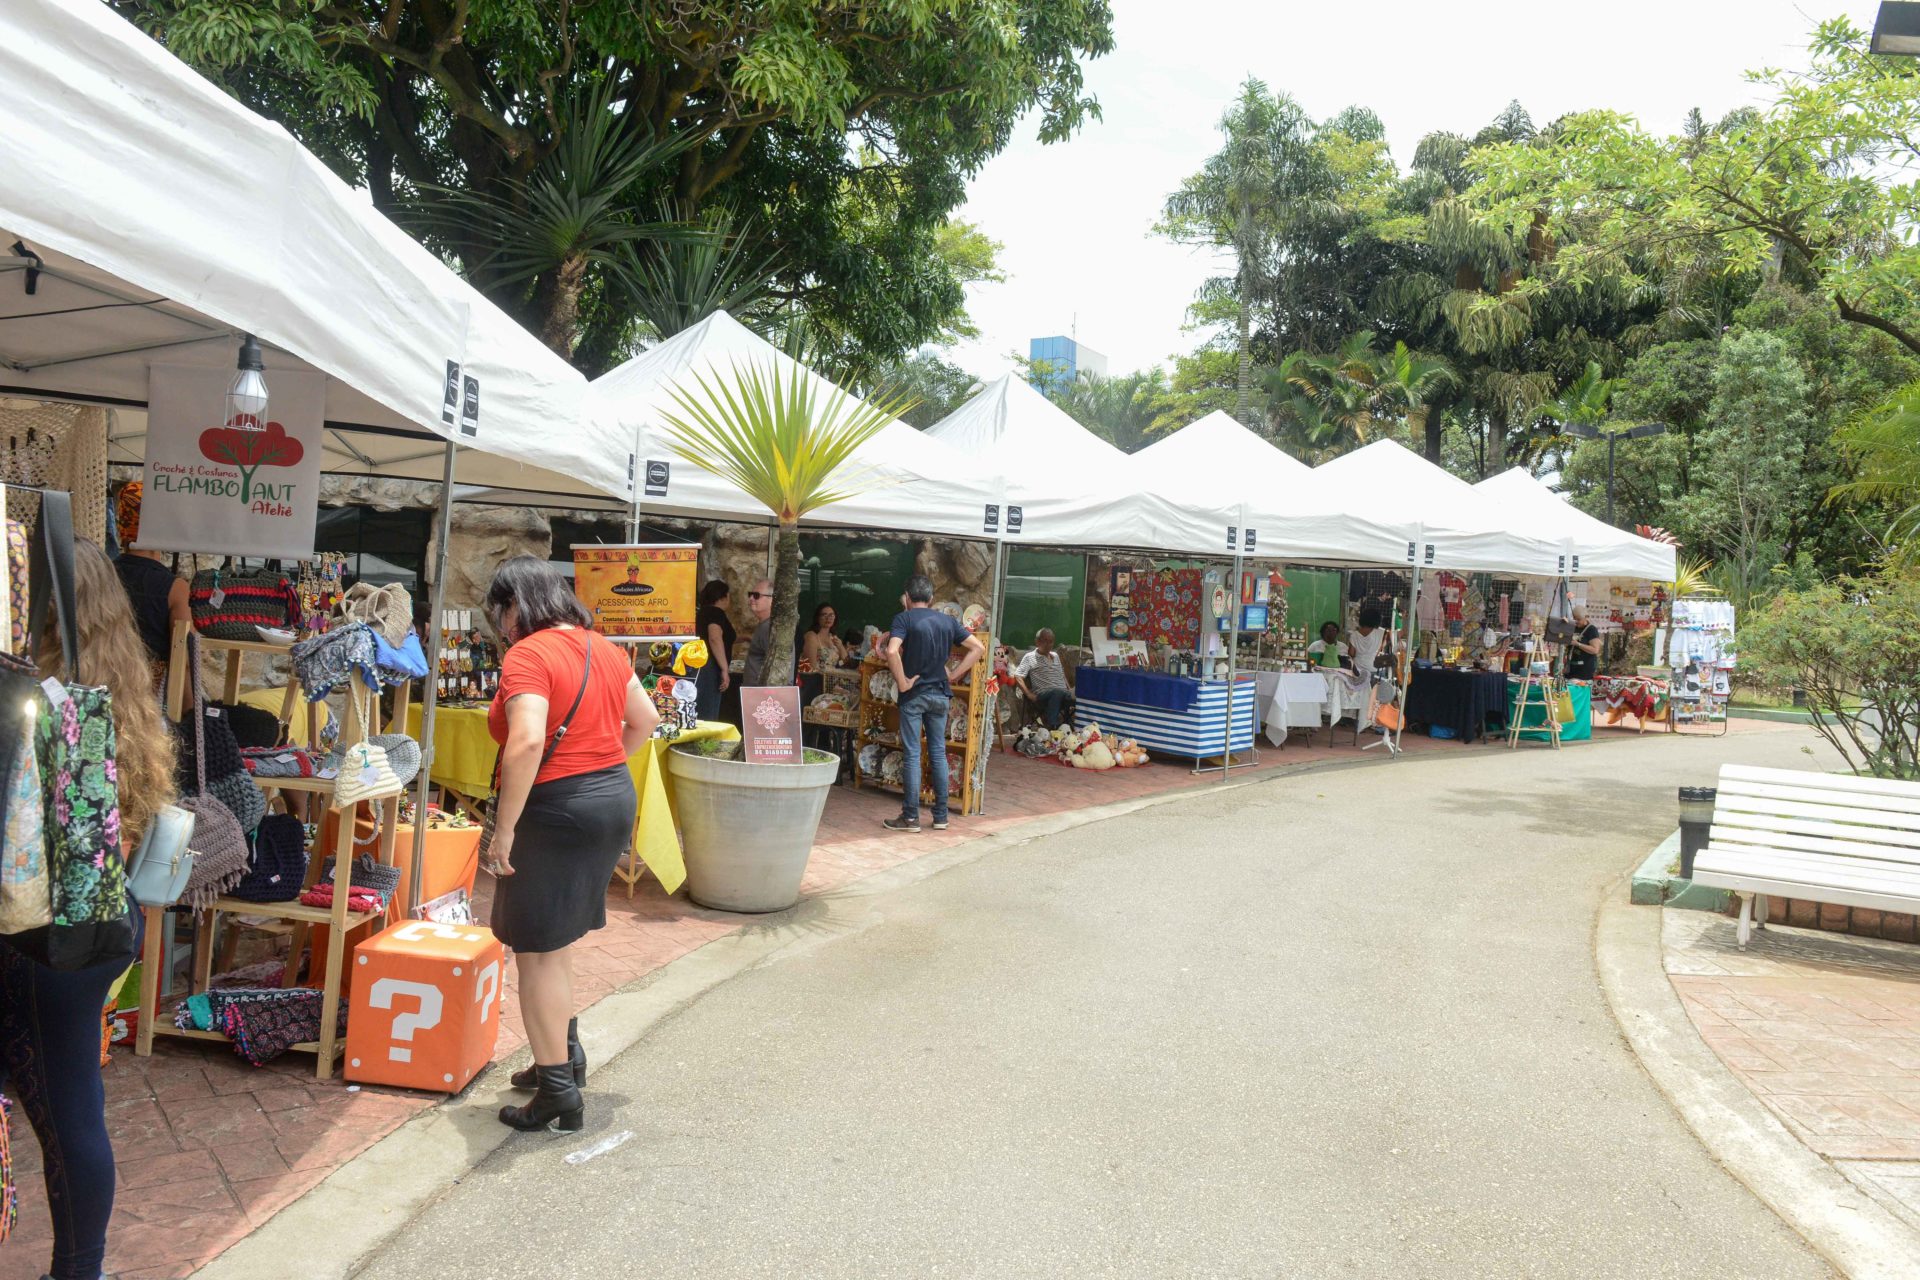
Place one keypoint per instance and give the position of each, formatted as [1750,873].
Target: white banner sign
[219,490]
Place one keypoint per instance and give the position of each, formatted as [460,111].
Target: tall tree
[1266,173]
[1795,188]
[1120,410]
[847,131]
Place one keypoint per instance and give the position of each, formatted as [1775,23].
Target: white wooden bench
[1819,837]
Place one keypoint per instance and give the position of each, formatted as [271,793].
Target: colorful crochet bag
[233,604]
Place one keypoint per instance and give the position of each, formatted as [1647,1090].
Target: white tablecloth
[1298,700]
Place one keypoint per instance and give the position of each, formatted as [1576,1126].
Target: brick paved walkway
[1824,1028]
[208,1147]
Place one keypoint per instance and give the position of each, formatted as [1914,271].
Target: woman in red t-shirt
[568,714]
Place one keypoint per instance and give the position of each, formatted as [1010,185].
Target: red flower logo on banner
[251,450]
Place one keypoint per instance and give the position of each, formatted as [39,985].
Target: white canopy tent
[147,217]
[1592,546]
[1286,514]
[1459,527]
[913,484]
[1071,488]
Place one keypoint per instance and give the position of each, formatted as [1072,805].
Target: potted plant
[786,439]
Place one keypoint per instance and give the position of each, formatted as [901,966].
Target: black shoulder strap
[586,676]
[50,579]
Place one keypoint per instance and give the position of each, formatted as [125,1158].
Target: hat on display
[692,656]
[660,655]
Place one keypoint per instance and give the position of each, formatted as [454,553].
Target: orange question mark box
[425,1012]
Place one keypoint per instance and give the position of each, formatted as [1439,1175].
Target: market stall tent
[910,483]
[1283,512]
[1593,547]
[1066,487]
[148,218]
[1459,527]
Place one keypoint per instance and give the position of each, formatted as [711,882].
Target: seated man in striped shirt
[1044,681]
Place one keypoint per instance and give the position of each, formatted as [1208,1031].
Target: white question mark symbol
[426,1017]
[420,930]
[486,985]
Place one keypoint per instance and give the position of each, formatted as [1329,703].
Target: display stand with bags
[359,724]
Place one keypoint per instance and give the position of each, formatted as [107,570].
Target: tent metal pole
[995,603]
[639,483]
[1413,630]
[430,701]
[1233,666]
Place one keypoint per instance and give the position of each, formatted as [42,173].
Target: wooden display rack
[155,1021]
[880,717]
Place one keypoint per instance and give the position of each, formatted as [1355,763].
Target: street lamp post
[1587,431]
[1896,29]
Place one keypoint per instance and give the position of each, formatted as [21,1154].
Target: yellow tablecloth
[463,753]
[463,750]
[655,836]
[271,700]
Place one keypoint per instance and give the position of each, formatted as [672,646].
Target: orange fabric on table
[548,664]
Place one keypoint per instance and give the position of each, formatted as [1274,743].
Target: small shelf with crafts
[355,728]
[879,725]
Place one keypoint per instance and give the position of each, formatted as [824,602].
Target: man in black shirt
[1583,658]
[921,643]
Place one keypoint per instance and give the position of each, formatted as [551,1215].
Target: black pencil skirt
[569,838]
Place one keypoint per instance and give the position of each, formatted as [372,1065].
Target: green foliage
[846,131]
[1120,410]
[1807,185]
[1849,644]
[1750,471]
[936,386]
[1884,446]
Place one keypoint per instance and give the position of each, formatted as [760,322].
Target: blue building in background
[1059,361]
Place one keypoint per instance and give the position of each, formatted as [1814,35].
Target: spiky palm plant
[1884,445]
[786,438]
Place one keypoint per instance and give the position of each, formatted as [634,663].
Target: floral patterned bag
[74,740]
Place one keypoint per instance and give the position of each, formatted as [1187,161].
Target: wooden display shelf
[302,918]
[875,716]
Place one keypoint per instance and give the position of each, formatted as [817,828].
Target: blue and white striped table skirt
[1198,733]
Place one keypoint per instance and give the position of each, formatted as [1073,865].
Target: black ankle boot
[556,1105]
[529,1078]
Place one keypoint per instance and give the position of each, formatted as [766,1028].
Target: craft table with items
[1464,704]
[1643,697]
[1533,722]
[463,754]
[1176,715]
[1293,700]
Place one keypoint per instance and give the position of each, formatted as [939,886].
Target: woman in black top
[1583,656]
[158,595]
[716,628]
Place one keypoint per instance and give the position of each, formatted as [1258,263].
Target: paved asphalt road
[1339,1024]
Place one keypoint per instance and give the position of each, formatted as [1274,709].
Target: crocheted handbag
[279,865]
[365,774]
[403,754]
[328,659]
[233,604]
[219,843]
[388,609]
[364,872]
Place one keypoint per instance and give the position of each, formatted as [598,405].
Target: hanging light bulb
[247,395]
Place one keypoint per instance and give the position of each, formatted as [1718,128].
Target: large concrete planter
[747,829]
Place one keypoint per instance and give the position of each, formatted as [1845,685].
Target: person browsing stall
[760,600]
[1370,643]
[918,648]
[569,714]
[715,627]
[1043,680]
[1583,653]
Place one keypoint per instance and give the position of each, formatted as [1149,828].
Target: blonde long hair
[112,654]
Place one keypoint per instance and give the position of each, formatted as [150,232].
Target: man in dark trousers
[918,650]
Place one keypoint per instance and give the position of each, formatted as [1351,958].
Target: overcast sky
[1076,217]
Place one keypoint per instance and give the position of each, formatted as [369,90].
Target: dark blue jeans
[924,710]
[1055,706]
[50,1056]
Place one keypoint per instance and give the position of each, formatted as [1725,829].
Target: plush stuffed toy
[1094,755]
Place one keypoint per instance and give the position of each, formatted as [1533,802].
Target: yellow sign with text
[638,592]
